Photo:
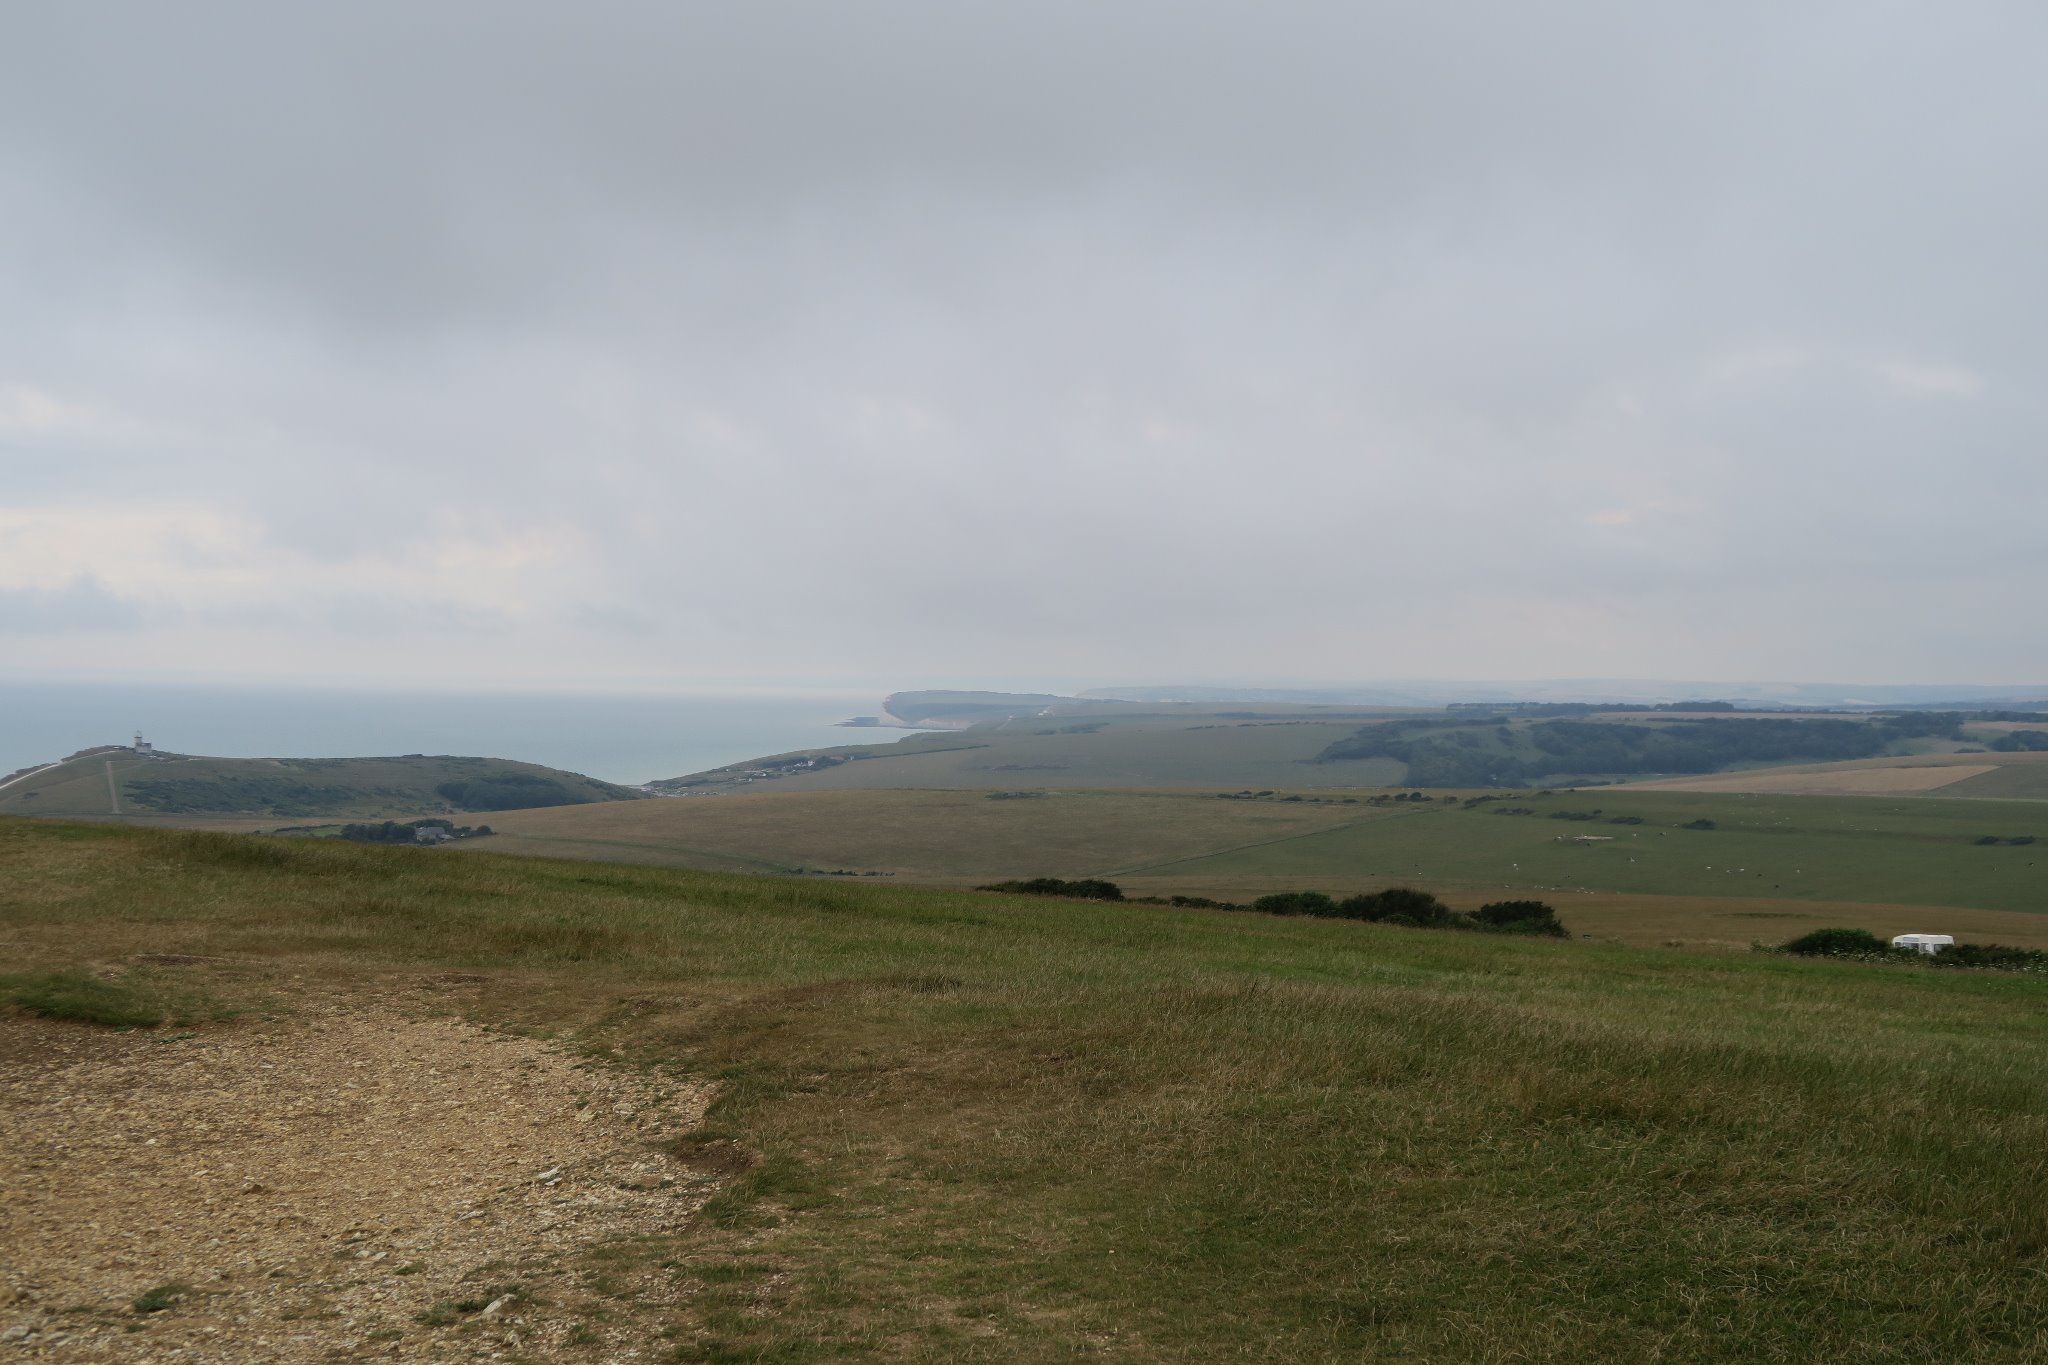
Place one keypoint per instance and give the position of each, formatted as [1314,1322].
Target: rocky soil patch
[349,1184]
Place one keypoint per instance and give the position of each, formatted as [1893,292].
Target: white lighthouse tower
[143,747]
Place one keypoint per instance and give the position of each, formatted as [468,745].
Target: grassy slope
[1146,751]
[274,787]
[75,787]
[989,1128]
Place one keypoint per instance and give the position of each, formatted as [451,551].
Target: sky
[933,342]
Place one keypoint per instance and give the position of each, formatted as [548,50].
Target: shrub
[1085,888]
[1868,947]
[1295,903]
[1838,943]
[1699,824]
[1399,905]
[1519,917]
[2000,956]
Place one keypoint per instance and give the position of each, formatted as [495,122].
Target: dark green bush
[1999,956]
[1085,888]
[1295,903]
[1519,917]
[1399,905]
[1839,943]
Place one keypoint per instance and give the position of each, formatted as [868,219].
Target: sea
[620,737]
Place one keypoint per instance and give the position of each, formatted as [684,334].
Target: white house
[1924,943]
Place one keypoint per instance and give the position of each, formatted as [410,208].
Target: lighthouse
[143,747]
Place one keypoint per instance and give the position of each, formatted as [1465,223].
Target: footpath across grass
[962,1125]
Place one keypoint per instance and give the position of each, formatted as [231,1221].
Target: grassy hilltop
[961,1126]
[118,781]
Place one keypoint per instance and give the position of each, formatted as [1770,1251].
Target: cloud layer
[813,343]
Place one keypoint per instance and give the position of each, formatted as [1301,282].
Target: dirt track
[318,1188]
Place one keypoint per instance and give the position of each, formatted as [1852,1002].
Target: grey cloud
[1129,339]
[80,605]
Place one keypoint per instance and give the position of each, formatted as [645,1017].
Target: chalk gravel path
[317,1186]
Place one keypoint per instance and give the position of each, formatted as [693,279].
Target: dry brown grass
[1888,777]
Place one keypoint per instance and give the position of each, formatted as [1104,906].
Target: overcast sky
[903,343]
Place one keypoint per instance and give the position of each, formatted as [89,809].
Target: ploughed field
[952,1125]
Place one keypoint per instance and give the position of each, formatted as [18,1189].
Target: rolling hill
[1071,743]
[121,782]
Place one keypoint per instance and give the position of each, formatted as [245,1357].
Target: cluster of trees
[1460,753]
[2022,742]
[1860,945]
[1404,905]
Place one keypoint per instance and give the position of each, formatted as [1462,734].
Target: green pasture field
[920,835]
[980,1127]
[1901,850]
[1917,851]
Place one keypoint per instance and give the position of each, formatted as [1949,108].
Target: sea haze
[621,738]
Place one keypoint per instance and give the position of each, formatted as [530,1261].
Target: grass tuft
[160,1298]
[81,998]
